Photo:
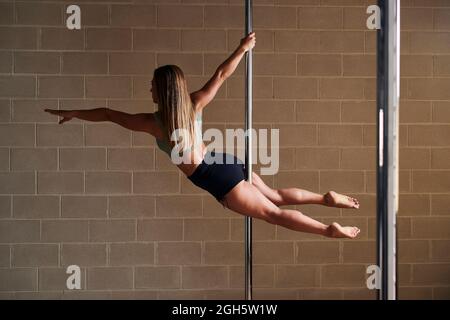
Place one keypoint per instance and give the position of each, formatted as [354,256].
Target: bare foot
[334,199]
[337,231]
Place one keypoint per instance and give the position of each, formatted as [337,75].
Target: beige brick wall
[104,198]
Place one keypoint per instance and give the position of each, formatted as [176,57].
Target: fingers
[251,38]
[249,41]
[53,111]
[58,113]
[63,120]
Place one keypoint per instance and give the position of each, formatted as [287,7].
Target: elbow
[107,113]
[222,74]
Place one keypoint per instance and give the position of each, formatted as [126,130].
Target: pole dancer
[224,179]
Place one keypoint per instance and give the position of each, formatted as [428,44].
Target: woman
[179,110]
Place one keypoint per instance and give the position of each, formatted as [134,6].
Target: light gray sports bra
[164,145]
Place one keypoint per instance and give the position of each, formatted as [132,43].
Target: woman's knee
[256,180]
[273,215]
[272,194]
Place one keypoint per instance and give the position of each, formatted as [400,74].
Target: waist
[195,160]
[215,158]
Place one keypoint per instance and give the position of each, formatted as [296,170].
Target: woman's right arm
[137,122]
[202,97]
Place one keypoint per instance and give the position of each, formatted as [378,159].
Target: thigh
[270,193]
[247,200]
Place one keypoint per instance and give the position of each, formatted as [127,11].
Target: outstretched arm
[144,122]
[203,96]
[97,114]
[137,122]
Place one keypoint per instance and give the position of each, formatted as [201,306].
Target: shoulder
[197,101]
[195,105]
[155,125]
[197,111]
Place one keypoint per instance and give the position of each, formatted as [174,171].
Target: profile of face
[154,96]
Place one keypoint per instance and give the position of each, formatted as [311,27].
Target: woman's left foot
[334,199]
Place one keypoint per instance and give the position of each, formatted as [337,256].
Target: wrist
[241,49]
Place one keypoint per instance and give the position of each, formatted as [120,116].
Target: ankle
[328,232]
[325,199]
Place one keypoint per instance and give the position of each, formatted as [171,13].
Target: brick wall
[104,198]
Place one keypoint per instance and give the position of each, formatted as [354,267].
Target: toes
[355,231]
[356,203]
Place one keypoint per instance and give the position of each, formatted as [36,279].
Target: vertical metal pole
[248,147]
[388,79]
[393,152]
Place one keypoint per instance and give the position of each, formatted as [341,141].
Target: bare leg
[294,196]
[246,199]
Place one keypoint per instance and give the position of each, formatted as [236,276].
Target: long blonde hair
[175,104]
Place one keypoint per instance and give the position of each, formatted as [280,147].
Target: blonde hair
[175,104]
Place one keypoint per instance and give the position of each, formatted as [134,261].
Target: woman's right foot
[335,230]
[337,200]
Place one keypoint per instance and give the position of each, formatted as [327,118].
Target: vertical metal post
[248,147]
[388,89]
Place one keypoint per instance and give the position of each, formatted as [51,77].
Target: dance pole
[248,148]
[388,89]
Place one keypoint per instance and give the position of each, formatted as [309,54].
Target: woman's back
[194,158]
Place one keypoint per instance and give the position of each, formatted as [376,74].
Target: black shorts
[218,178]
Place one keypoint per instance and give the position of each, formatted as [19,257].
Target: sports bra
[164,145]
